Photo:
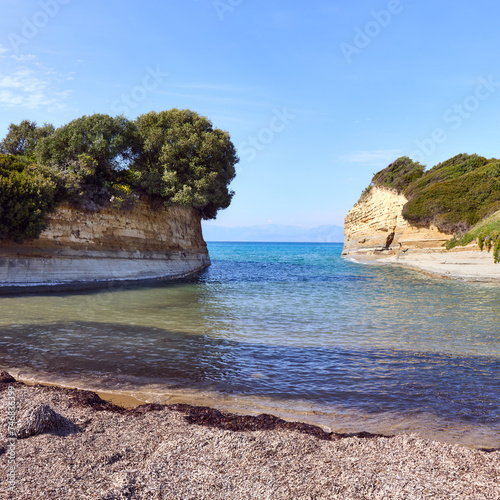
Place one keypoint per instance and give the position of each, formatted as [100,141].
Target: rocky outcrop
[108,245]
[375,231]
[376,225]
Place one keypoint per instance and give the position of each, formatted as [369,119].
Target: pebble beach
[72,444]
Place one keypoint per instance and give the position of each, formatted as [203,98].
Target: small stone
[6,378]
[40,418]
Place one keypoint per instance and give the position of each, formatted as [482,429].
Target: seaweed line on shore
[199,415]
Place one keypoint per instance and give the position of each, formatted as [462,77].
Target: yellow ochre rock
[376,224]
[76,246]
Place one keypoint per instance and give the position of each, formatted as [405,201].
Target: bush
[480,242]
[110,142]
[27,195]
[450,169]
[186,161]
[399,175]
[496,251]
[457,201]
[22,139]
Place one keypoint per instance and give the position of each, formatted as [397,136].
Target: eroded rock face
[108,245]
[376,225]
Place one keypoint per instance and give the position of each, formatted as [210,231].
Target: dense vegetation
[399,175]
[27,195]
[21,139]
[456,196]
[486,233]
[185,160]
[172,157]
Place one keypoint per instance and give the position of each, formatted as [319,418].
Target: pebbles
[182,452]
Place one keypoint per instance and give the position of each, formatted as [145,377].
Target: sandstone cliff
[376,224]
[375,230]
[80,246]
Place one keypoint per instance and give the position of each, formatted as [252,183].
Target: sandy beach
[72,444]
[467,265]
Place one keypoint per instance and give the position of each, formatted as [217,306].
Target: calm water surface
[290,328]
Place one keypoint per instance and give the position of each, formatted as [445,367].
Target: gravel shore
[73,445]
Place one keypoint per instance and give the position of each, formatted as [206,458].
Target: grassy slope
[455,195]
[487,234]
[458,196]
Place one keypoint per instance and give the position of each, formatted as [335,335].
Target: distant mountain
[274,232]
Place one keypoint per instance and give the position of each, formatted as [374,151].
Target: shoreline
[71,442]
[457,264]
[331,419]
[20,288]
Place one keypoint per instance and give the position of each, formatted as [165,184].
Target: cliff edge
[108,245]
[376,231]
[376,225]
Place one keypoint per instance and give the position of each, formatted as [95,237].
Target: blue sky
[317,95]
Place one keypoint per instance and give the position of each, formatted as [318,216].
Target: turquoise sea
[292,329]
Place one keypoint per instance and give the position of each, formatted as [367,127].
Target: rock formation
[376,225]
[375,230]
[107,245]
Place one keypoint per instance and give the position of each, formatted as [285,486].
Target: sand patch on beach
[467,265]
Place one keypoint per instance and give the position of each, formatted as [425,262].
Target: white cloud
[378,157]
[3,50]
[23,57]
[24,79]
[8,98]
[32,85]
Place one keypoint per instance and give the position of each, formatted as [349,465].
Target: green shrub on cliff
[399,175]
[90,152]
[22,139]
[185,160]
[28,194]
[450,169]
[453,196]
[176,156]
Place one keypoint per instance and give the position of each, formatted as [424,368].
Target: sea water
[292,329]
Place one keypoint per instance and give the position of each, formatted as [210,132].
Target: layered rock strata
[376,224]
[108,245]
[375,230]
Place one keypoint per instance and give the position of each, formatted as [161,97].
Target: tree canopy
[185,160]
[175,156]
[22,139]
[27,195]
[111,143]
